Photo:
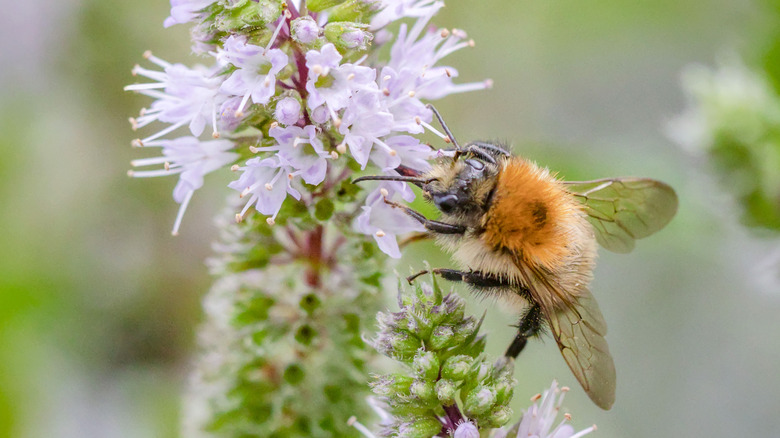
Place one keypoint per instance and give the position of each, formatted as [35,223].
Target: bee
[519,233]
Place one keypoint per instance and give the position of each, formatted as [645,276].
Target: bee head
[460,187]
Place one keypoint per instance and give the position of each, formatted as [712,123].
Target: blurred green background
[99,304]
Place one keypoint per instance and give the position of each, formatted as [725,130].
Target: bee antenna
[446,129]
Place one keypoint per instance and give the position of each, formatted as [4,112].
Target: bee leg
[530,325]
[435,226]
[474,278]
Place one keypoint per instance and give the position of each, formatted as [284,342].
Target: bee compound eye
[445,203]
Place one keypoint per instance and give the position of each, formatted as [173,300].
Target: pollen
[342,148]
[270,221]
[444,33]
[269,186]
[235,167]
[380,233]
[334,155]
[167,165]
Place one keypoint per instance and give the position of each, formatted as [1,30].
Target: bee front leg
[529,326]
[435,226]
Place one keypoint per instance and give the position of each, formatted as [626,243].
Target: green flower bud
[466,329]
[499,417]
[246,13]
[445,391]
[424,391]
[420,427]
[484,372]
[392,385]
[319,5]
[353,10]
[348,36]
[442,338]
[456,367]
[504,390]
[479,401]
[454,307]
[403,345]
[426,365]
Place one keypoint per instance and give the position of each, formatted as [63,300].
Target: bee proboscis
[521,234]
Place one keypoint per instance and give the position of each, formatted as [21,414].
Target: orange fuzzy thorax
[532,215]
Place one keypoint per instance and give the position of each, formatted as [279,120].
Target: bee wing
[579,329]
[622,210]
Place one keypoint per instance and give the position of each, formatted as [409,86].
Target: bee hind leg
[530,325]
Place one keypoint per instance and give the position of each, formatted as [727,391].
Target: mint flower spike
[273,63]
[451,386]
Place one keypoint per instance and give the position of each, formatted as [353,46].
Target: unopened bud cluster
[449,379]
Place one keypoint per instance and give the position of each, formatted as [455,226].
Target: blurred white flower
[539,419]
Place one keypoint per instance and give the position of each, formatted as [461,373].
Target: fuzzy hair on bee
[519,233]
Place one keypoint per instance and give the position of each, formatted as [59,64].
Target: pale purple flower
[303,150]
[256,69]
[267,183]
[191,159]
[184,11]
[185,96]
[383,221]
[345,79]
[363,124]
[539,419]
[305,30]
[288,111]
[413,154]
[412,75]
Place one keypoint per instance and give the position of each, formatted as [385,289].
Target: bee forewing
[622,210]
